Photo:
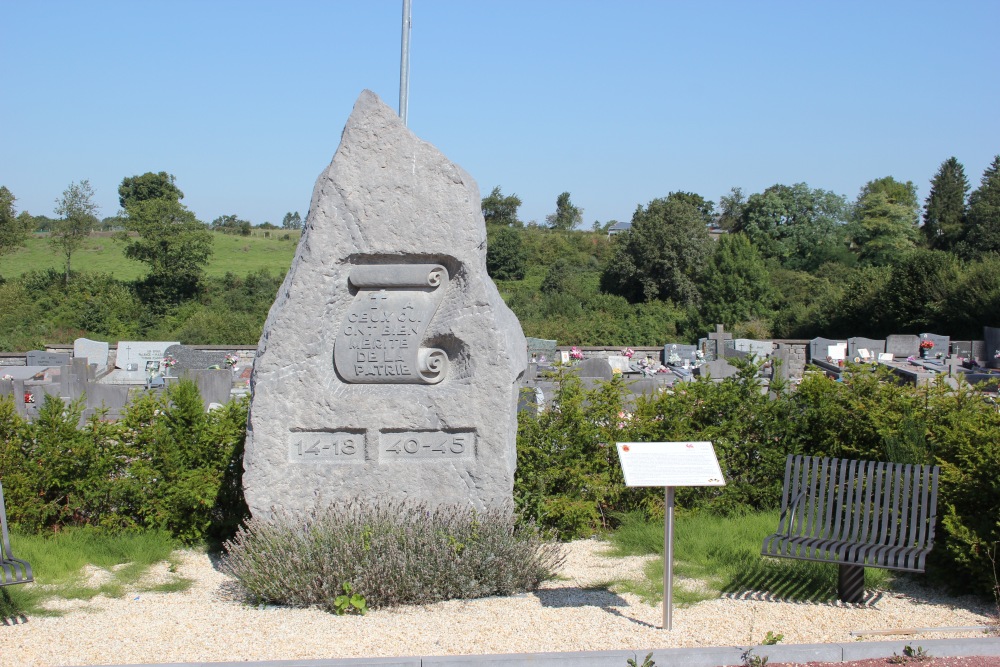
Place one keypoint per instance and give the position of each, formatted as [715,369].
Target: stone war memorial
[389,365]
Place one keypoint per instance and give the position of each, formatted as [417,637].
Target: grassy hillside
[101,253]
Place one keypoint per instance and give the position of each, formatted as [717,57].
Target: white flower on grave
[7,377]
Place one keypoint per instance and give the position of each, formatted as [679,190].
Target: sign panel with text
[670,464]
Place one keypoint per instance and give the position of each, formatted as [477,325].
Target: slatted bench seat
[12,570]
[857,514]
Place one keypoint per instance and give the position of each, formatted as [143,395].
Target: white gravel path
[207,622]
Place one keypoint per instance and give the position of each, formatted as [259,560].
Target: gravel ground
[208,622]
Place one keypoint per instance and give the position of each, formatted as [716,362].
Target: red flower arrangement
[926,344]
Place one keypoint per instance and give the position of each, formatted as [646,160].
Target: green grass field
[101,253]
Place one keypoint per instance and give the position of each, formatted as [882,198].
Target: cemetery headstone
[620,363]
[137,353]
[675,354]
[720,369]
[188,358]
[389,365]
[991,344]
[820,348]
[942,344]
[902,346]
[50,359]
[542,348]
[979,350]
[94,351]
[961,348]
[873,346]
[595,367]
[758,348]
[722,340]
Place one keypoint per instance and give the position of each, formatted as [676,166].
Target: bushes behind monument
[166,464]
[390,553]
[568,476]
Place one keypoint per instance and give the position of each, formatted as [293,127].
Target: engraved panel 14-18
[326,447]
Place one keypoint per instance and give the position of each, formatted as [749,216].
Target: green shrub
[389,554]
[165,465]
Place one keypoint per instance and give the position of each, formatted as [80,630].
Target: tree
[897,193]
[945,209]
[737,287]
[501,210]
[883,230]
[800,227]
[14,229]
[78,217]
[731,208]
[231,224]
[506,258]
[291,221]
[148,186]
[174,244]
[662,256]
[566,216]
[704,206]
[984,214]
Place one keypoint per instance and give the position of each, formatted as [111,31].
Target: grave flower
[575,353]
[232,359]
[628,352]
[29,397]
[926,344]
[168,362]
[7,377]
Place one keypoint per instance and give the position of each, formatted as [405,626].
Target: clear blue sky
[616,102]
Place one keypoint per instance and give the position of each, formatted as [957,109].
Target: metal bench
[12,570]
[857,514]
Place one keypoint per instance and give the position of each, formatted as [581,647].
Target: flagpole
[404,64]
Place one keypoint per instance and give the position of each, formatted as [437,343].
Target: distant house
[619,228]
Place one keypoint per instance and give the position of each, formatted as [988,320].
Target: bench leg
[851,583]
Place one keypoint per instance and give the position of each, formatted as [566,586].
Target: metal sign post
[669,464]
[668,559]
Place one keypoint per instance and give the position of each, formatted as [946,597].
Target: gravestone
[94,351]
[874,346]
[720,369]
[136,355]
[620,363]
[902,346]
[991,347]
[979,350]
[41,358]
[722,340]
[942,344]
[820,349]
[541,348]
[758,348]
[681,351]
[961,348]
[190,359]
[595,367]
[389,365]
[213,385]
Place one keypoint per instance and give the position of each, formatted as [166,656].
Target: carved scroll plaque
[380,337]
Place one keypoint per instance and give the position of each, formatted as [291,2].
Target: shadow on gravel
[577,597]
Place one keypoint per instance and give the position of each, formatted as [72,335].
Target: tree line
[789,262]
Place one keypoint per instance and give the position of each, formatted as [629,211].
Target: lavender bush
[391,553]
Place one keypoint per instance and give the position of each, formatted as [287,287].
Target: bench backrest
[892,504]
[5,553]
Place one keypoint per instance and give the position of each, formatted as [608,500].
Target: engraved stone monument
[389,365]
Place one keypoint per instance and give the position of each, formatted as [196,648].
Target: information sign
[670,464]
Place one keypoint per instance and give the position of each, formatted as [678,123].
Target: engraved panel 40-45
[410,445]
[337,447]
